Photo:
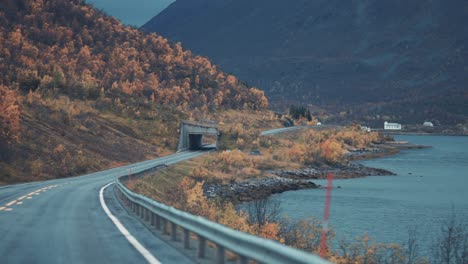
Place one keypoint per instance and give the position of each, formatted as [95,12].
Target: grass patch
[161,184]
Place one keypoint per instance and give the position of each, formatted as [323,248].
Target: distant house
[428,124]
[392,126]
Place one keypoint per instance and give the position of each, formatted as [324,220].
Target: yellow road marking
[1,208]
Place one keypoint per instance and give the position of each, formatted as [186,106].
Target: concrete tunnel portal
[192,135]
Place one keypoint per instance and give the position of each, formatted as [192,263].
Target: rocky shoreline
[254,189]
[339,171]
[286,180]
[282,180]
[382,150]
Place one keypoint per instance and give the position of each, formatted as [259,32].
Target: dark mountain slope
[382,59]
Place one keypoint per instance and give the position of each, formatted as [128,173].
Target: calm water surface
[429,183]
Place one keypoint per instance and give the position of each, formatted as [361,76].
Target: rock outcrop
[254,189]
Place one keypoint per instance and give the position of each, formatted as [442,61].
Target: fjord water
[430,184]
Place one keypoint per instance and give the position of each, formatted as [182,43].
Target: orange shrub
[297,153]
[234,159]
[331,149]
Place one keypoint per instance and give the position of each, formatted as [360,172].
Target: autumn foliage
[9,115]
[62,46]
[316,146]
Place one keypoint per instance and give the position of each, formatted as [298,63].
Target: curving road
[277,131]
[63,221]
[78,220]
[282,130]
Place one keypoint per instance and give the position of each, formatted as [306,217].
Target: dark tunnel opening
[195,141]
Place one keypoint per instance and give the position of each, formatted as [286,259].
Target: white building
[392,126]
[428,124]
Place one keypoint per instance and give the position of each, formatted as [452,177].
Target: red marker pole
[326,214]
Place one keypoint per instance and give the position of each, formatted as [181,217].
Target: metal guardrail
[277,131]
[247,247]
[281,130]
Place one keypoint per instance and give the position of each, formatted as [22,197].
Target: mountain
[79,91]
[363,60]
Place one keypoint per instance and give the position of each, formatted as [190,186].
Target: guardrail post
[164,226]
[152,219]
[243,260]
[158,222]
[174,231]
[201,246]
[147,214]
[186,239]
[219,254]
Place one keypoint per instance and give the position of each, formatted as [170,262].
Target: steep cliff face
[402,60]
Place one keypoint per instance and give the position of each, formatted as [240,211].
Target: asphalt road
[277,131]
[63,221]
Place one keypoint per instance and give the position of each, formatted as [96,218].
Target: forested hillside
[365,61]
[80,91]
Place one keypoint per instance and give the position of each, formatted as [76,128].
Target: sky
[131,12]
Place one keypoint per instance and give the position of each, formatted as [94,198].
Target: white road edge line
[139,247]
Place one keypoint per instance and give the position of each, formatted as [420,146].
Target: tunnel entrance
[195,141]
[194,136]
